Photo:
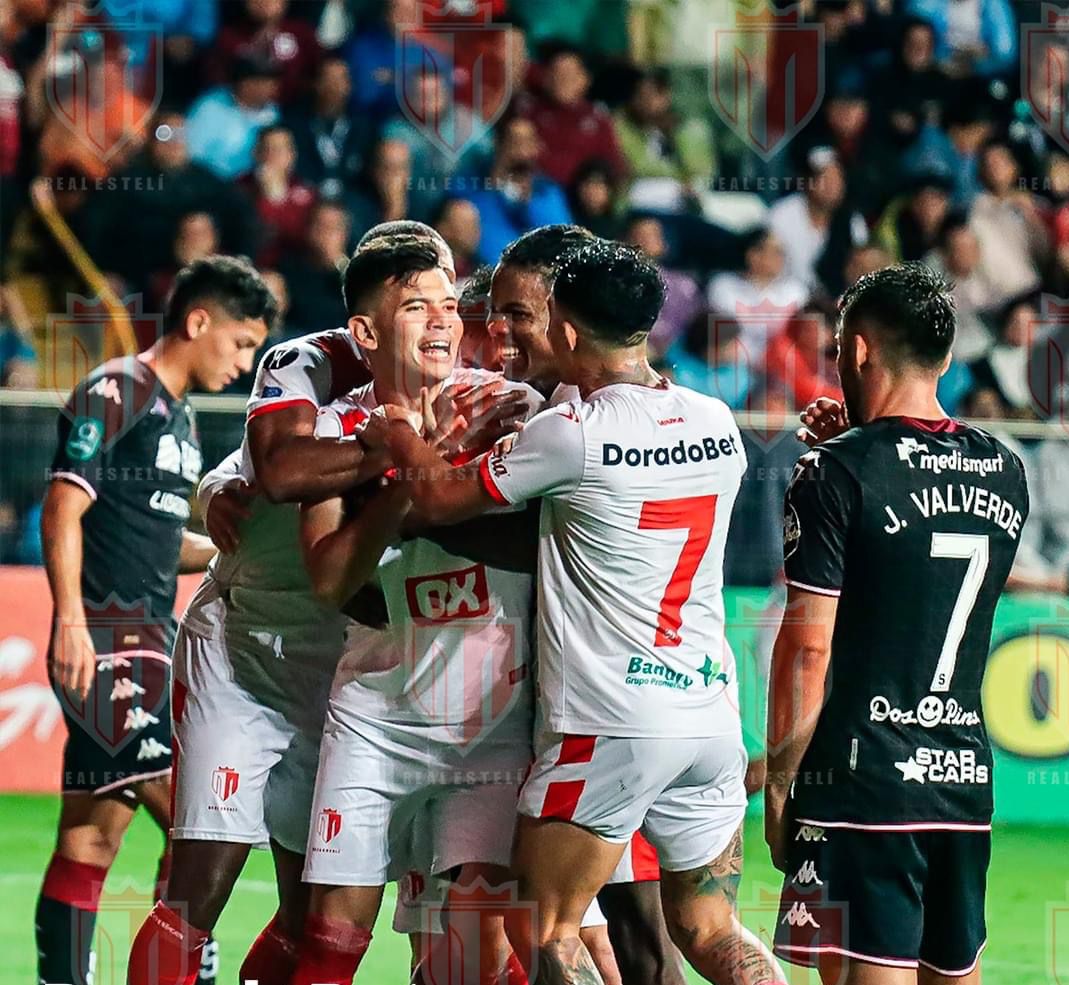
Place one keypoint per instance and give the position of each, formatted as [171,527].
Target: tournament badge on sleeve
[79,339]
[452,931]
[132,681]
[766,78]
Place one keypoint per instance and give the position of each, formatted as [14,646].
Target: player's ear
[861,354]
[363,331]
[198,321]
[571,336]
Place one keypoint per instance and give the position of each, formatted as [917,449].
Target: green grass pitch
[1028,902]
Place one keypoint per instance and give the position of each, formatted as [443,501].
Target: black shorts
[898,898]
[121,733]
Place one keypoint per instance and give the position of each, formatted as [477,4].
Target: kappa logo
[328,825]
[461,594]
[124,688]
[137,719]
[810,832]
[799,916]
[150,748]
[807,875]
[943,766]
[225,780]
[108,388]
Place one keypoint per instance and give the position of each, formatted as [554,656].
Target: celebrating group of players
[465,631]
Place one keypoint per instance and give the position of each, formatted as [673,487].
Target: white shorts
[376,779]
[244,766]
[687,796]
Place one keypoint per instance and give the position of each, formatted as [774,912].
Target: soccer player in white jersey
[641,730]
[436,719]
[255,657]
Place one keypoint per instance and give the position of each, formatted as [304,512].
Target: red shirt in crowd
[284,222]
[291,47]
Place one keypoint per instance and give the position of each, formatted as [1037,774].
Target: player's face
[225,349]
[519,320]
[419,328]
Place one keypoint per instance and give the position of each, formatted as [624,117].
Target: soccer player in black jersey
[899,534]
[113,527]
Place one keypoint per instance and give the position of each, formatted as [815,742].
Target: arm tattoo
[566,962]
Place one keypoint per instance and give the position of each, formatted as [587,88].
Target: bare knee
[91,829]
[202,878]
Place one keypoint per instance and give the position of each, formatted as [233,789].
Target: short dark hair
[545,249]
[477,287]
[399,227]
[614,291]
[910,307]
[378,263]
[232,283]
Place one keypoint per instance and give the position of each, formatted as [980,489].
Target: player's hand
[490,413]
[226,509]
[74,658]
[824,418]
[776,825]
[443,425]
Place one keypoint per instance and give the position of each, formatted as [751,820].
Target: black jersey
[914,525]
[133,448]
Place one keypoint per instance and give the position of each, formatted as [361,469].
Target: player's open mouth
[437,348]
[508,353]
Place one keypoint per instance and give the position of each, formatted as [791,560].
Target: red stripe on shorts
[645,866]
[576,749]
[562,798]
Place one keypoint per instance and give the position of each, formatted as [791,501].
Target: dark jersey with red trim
[133,448]
[314,369]
[914,525]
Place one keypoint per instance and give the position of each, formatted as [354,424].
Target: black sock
[64,942]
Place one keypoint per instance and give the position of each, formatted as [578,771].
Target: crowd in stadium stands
[281,133]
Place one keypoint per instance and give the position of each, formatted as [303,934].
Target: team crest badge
[1045,72]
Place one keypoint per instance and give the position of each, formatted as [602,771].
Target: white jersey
[637,487]
[458,649]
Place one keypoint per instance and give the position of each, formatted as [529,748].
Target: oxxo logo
[709,450]
[460,594]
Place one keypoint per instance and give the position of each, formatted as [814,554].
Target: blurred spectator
[761,288]
[1008,225]
[222,125]
[598,26]
[958,257]
[313,276]
[1043,558]
[382,193]
[12,90]
[18,359]
[458,222]
[910,227]
[815,229]
[158,188]
[1058,178]
[267,32]
[477,349]
[683,299]
[798,360]
[282,201]
[276,284]
[572,129]
[707,357]
[912,89]
[331,142]
[592,197]
[972,37]
[655,142]
[863,260]
[433,160]
[195,239]
[516,197]
[375,52]
[1003,369]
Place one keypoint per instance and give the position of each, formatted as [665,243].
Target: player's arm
[546,458]
[195,553]
[225,500]
[820,504]
[508,541]
[290,463]
[341,553]
[73,654]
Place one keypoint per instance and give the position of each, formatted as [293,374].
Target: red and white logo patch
[328,825]
[225,781]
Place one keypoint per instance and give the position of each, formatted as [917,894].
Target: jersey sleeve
[226,474]
[89,428]
[821,502]
[546,458]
